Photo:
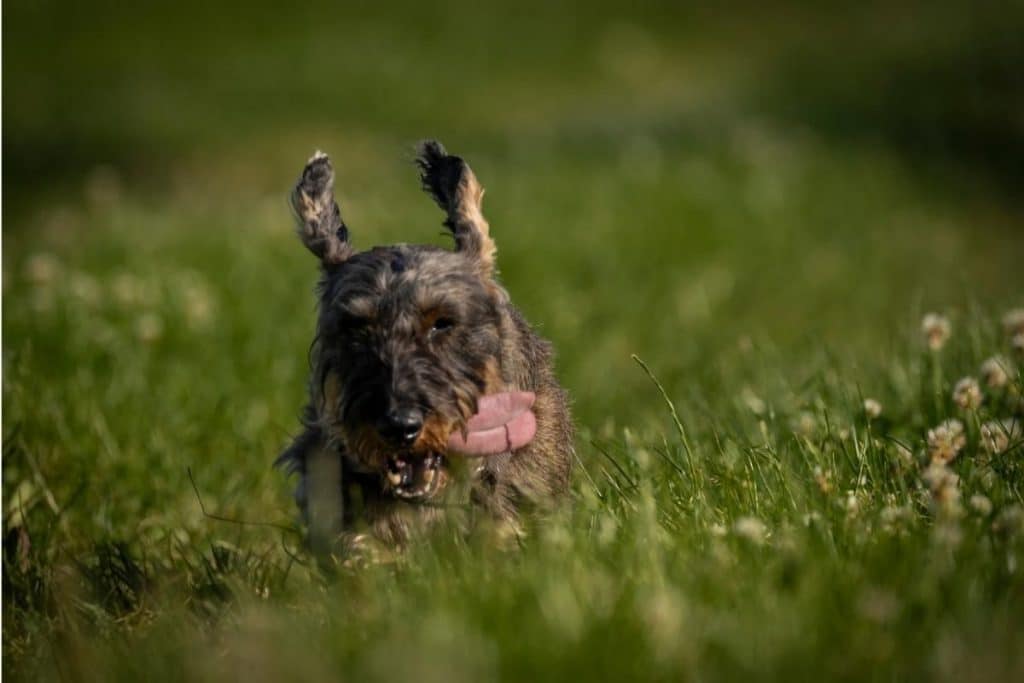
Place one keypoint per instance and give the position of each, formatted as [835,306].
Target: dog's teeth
[428,475]
[395,478]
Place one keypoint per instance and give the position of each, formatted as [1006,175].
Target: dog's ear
[450,181]
[319,220]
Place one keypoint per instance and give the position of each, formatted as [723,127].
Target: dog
[429,391]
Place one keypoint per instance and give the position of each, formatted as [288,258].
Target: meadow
[778,251]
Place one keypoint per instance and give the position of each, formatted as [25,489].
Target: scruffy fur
[423,331]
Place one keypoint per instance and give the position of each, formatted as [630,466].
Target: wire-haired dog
[428,387]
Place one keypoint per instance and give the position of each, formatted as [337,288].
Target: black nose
[402,425]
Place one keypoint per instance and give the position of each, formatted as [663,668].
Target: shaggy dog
[429,390]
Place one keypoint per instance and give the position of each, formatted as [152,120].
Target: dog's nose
[402,425]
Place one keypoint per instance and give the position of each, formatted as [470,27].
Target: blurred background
[659,174]
[681,182]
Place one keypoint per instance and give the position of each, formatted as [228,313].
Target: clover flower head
[996,372]
[936,330]
[967,394]
[945,441]
[872,408]
[750,528]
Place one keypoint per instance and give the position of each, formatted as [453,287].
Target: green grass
[723,203]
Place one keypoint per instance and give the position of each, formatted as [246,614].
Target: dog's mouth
[502,423]
[414,477]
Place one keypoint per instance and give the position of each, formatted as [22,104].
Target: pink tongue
[503,422]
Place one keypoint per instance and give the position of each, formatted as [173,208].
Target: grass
[731,233]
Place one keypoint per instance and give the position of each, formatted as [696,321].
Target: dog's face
[408,337]
[408,341]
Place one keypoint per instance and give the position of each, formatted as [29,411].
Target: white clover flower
[662,614]
[195,298]
[750,528]
[42,268]
[939,478]
[125,288]
[131,291]
[997,435]
[851,503]
[149,327]
[936,330]
[944,486]
[1017,343]
[810,518]
[996,372]
[945,441]
[1013,322]
[198,306]
[981,504]
[895,517]
[753,402]
[805,424]
[872,408]
[967,394]
[823,479]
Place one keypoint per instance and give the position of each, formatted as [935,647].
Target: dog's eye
[441,325]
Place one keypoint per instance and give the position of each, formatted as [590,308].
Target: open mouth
[414,477]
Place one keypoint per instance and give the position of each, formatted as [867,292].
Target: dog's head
[408,337]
